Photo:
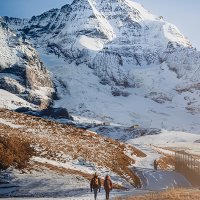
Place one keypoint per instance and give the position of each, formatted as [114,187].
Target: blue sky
[28,8]
[185,14]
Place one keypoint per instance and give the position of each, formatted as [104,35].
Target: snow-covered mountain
[123,32]
[119,63]
[22,73]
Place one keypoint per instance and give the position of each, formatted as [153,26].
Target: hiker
[155,164]
[107,186]
[95,185]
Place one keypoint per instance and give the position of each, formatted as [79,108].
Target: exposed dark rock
[119,92]
[24,110]
[11,85]
[17,70]
[55,113]
[158,97]
[125,133]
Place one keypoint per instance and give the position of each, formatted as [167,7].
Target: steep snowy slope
[21,71]
[119,63]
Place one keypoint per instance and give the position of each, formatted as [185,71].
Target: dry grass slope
[173,194]
[14,151]
[54,141]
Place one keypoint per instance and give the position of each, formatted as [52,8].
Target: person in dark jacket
[108,186]
[95,185]
[155,165]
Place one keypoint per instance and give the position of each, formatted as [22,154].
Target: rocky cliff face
[21,71]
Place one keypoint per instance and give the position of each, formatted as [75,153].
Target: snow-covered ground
[159,180]
[48,184]
[168,139]
[40,184]
[12,101]
[8,123]
[91,102]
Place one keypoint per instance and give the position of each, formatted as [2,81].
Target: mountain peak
[115,48]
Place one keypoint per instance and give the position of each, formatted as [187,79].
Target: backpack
[96,182]
[107,184]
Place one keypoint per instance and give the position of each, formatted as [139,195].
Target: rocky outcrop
[158,97]
[50,112]
[21,72]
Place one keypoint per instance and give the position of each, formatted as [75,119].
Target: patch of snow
[12,101]
[93,44]
[173,34]
[2,121]
[85,167]
[167,139]
[47,183]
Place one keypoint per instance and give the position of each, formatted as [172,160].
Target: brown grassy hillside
[55,141]
[14,151]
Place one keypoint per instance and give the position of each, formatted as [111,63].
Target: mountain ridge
[118,49]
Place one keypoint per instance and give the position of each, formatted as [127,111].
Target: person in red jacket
[108,186]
